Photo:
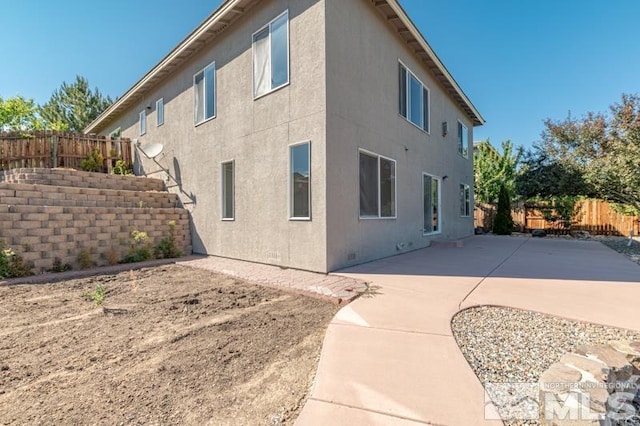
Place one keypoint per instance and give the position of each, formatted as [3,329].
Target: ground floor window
[299,181]
[227,190]
[431,203]
[377,186]
[465,200]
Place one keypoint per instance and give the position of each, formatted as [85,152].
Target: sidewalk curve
[391,358]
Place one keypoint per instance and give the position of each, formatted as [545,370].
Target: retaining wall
[49,214]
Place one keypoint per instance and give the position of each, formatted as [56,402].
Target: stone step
[447,243]
[68,196]
[82,179]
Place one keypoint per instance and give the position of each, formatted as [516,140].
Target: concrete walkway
[391,359]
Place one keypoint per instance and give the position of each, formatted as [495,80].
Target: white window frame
[463,145]
[395,187]
[465,200]
[142,122]
[291,192]
[426,128]
[253,52]
[159,107]
[233,191]
[215,95]
[439,179]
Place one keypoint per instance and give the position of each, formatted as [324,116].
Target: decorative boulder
[538,233]
[581,235]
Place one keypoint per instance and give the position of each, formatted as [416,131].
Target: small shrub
[139,249]
[122,168]
[98,295]
[112,257]
[84,259]
[503,224]
[93,162]
[12,265]
[58,266]
[166,248]
[5,255]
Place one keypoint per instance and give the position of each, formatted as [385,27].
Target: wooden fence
[50,149]
[595,216]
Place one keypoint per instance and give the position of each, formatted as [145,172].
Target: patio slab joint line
[491,272]
[399,330]
[382,413]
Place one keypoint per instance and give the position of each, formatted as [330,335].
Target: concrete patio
[391,358]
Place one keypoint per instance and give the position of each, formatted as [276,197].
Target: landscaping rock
[593,367]
[605,385]
[506,345]
[538,233]
[581,235]
[631,350]
[620,368]
[559,373]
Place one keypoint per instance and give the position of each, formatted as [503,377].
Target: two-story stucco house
[313,134]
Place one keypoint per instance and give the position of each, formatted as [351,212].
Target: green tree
[74,106]
[603,148]
[503,224]
[494,169]
[544,177]
[19,114]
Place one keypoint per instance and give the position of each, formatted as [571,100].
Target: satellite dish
[152,150]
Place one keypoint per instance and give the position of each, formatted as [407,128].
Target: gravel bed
[511,345]
[621,245]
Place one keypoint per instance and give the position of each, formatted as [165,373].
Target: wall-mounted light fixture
[445,177]
[445,128]
[148,106]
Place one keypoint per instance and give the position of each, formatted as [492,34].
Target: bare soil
[169,345]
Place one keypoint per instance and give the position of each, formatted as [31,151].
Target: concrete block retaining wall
[42,219]
[78,178]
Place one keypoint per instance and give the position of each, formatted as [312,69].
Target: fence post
[108,156]
[54,151]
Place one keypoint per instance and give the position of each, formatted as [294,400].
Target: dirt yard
[169,345]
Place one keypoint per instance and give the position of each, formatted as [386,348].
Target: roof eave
[473,112]
[194,41]
[187,46]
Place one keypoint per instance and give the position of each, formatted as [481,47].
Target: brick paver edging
[332,288]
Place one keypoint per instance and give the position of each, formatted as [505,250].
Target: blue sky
[518,61]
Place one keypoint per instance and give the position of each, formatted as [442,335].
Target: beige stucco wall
[255,134]
[362,112]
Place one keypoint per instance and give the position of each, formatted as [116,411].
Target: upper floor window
[463,140]
[204,87]
[271,56]
[377,186]
[160,112]
[413,99]
[143,122]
